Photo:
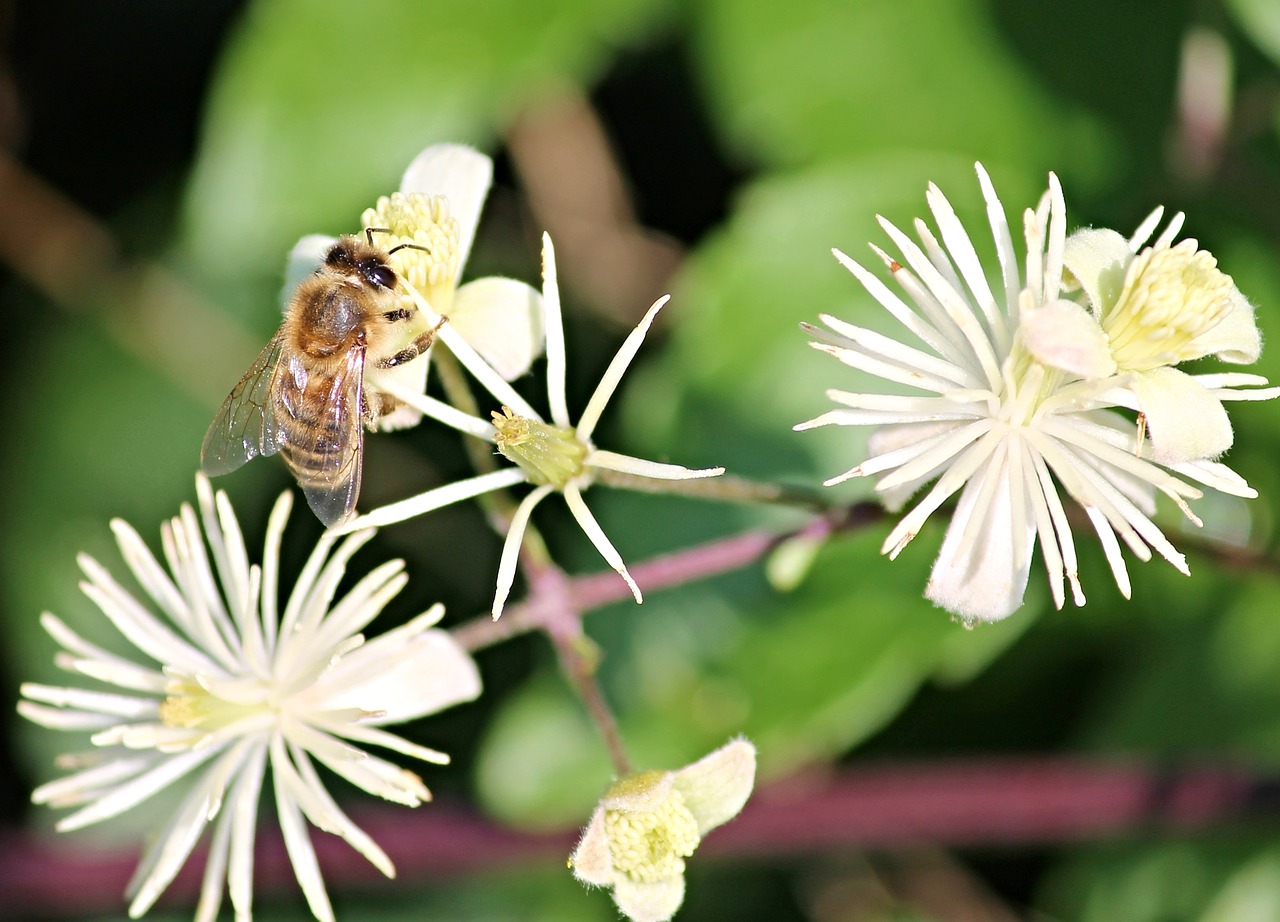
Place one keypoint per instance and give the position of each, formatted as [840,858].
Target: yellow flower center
[651,845]
[548,454]
[1171,296]
[431,263]
[193,707]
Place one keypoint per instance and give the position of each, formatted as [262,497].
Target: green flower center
[548,454]
[651,845]
[1171,296]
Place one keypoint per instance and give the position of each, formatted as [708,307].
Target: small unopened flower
[1156,307]
[225,684]
[648,824]
[436,212]
[1011,396]
[555,457]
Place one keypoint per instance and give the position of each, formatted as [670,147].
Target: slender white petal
[557,362]
[436,499]
[617,368]
[593,531]
[441,411]
[511,548]
[654,470]
[493,382]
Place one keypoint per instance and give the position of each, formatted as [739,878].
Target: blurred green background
[160,159]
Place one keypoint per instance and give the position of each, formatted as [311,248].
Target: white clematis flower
[438,208]
[556,457]
[225,686]
[648,824]
[1011,398]
[1158,307]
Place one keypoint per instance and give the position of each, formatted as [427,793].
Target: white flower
[648,824]
[555,457]
[1159,307]
[438,209]
[998,426]
[225,686]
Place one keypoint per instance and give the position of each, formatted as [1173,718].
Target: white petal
[305,258]
[89,783]
[557,361]
[1235,338]
[137,790]
[1064,335]
[411,677]
[94,701]
[1098,258]
[435,499]
[613,374]
[591,528]
[652,470]
[170,850]
[460,173]
[592,861]
[977,575]
[242,807]
[649,902]
[215,871]
[716,786]
[1185,422]
[511,548]
[298,844]
[437,409]
[462,350]
[502,319]
[356,837]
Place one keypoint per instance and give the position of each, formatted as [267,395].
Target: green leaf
[1260,20]
[319,105]
[810,79]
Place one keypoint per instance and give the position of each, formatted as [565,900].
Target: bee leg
[374,406]
[415,348]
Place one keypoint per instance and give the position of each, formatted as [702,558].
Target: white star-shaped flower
[1008,399]
[224,686]
[555,457]
[648,824]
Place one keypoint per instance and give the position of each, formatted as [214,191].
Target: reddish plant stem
[561,620]
[596,590]
[971,803]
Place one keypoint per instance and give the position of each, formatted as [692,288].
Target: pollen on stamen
[651,845]
[430,263]
[1171,296]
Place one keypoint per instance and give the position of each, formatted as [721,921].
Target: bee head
[364,262]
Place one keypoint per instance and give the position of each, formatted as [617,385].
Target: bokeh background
[158,160]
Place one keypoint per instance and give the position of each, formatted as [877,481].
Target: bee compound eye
[382,276]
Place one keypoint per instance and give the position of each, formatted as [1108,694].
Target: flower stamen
[549,455]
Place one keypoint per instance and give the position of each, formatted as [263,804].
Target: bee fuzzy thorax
[305,396]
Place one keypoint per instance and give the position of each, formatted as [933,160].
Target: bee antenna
[370,231]
[409,246]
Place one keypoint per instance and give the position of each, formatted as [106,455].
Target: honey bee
[305,397]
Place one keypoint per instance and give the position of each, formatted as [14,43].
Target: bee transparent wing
[245,426]
[328,454]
